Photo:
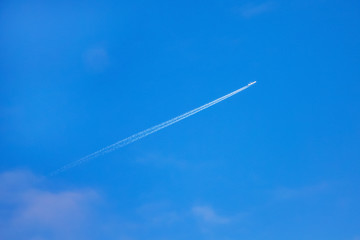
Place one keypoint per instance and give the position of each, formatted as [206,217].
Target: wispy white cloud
[32,208]
[208,215]
[291,193]
[29,211]
[96,59]
[251,10]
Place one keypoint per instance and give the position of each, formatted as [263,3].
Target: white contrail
[146,132]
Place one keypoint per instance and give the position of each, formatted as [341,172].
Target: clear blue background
[277,161]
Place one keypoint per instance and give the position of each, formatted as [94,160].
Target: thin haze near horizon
[278,162]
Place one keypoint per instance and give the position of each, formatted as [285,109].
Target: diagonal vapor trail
[145,133]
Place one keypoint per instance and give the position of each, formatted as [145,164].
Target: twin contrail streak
[146,132]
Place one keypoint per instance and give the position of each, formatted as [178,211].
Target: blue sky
[277,161]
